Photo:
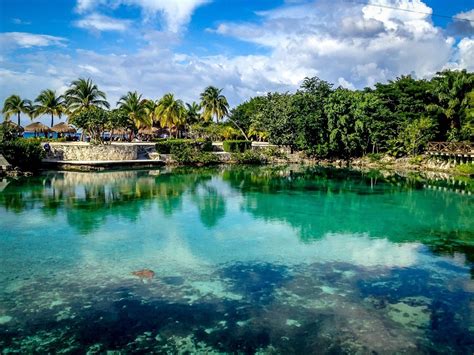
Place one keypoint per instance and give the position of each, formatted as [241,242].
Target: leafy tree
[94,120]
[406,97]
[170,112]
[346,129]
[82,94]
[15,105]
[417,134]
[278,119]
[48,103]
[245,113]
[377,124]
[310,117]
[214,104]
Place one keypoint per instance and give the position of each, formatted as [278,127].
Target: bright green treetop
[214,104]
[15,105]
[83,93]
[48,103]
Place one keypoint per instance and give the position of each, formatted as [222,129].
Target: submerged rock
[144,273]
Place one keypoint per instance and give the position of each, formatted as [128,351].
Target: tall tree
[452,88]
[346,130]
[135,108]
[48,103]
[15,105]
[310,117]
[82,94]
[193,112]
[170,112]
[214,104]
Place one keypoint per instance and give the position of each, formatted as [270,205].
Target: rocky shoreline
[421,163]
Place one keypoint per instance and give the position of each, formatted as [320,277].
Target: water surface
[249,260]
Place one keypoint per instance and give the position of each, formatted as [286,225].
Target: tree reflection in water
[315,201]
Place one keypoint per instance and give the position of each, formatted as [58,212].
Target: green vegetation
[23,153]
[191,154]
[166,146]
[49,103]
[398,117]
[465,169]
[14,105]
[250,157]
[236,146]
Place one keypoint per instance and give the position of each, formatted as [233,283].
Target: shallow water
[248,260]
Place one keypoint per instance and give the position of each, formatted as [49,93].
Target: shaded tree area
[398,117]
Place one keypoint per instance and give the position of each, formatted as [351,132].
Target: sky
[246,47]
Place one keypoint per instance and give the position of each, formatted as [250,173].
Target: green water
[245,260]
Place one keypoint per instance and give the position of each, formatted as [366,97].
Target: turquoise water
[245,260]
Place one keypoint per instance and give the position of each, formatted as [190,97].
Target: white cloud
[463,25]
[9,40]
[355,46]
[175,13]
[98,22]
[361,43]
[18,21]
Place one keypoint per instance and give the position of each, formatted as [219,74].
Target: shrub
[165,146]
[274,153]
[249,157]
[188,154]
[236,146]
[465,169]
[23,153]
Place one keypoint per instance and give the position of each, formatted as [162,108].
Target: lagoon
[245,259]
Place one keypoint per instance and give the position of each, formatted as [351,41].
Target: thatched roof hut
[63,127]
[37,127]
[150,131]
[119,131]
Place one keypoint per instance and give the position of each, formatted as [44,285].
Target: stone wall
[87,152]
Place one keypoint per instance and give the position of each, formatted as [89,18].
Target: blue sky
[247,47]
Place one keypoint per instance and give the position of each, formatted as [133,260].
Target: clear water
[245,260]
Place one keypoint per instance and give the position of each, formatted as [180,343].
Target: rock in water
[144,274]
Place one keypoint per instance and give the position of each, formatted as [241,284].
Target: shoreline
[418,164]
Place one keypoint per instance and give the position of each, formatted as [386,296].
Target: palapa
[63,127]
[37,127]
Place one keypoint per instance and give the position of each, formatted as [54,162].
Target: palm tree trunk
[18,117]
[52,120]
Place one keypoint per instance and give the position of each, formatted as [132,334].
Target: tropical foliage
[48,103]
[214,104]
[170,112]
[15,105]
[398,117]
[82,94]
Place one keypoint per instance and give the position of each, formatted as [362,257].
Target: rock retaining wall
[105,152]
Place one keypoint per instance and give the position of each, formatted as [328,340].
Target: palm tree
[49,103]
[135,108]
[193,113]
[451,88]
[170,112]
[83,93]
[150,108]
[15,105]
[214,104]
